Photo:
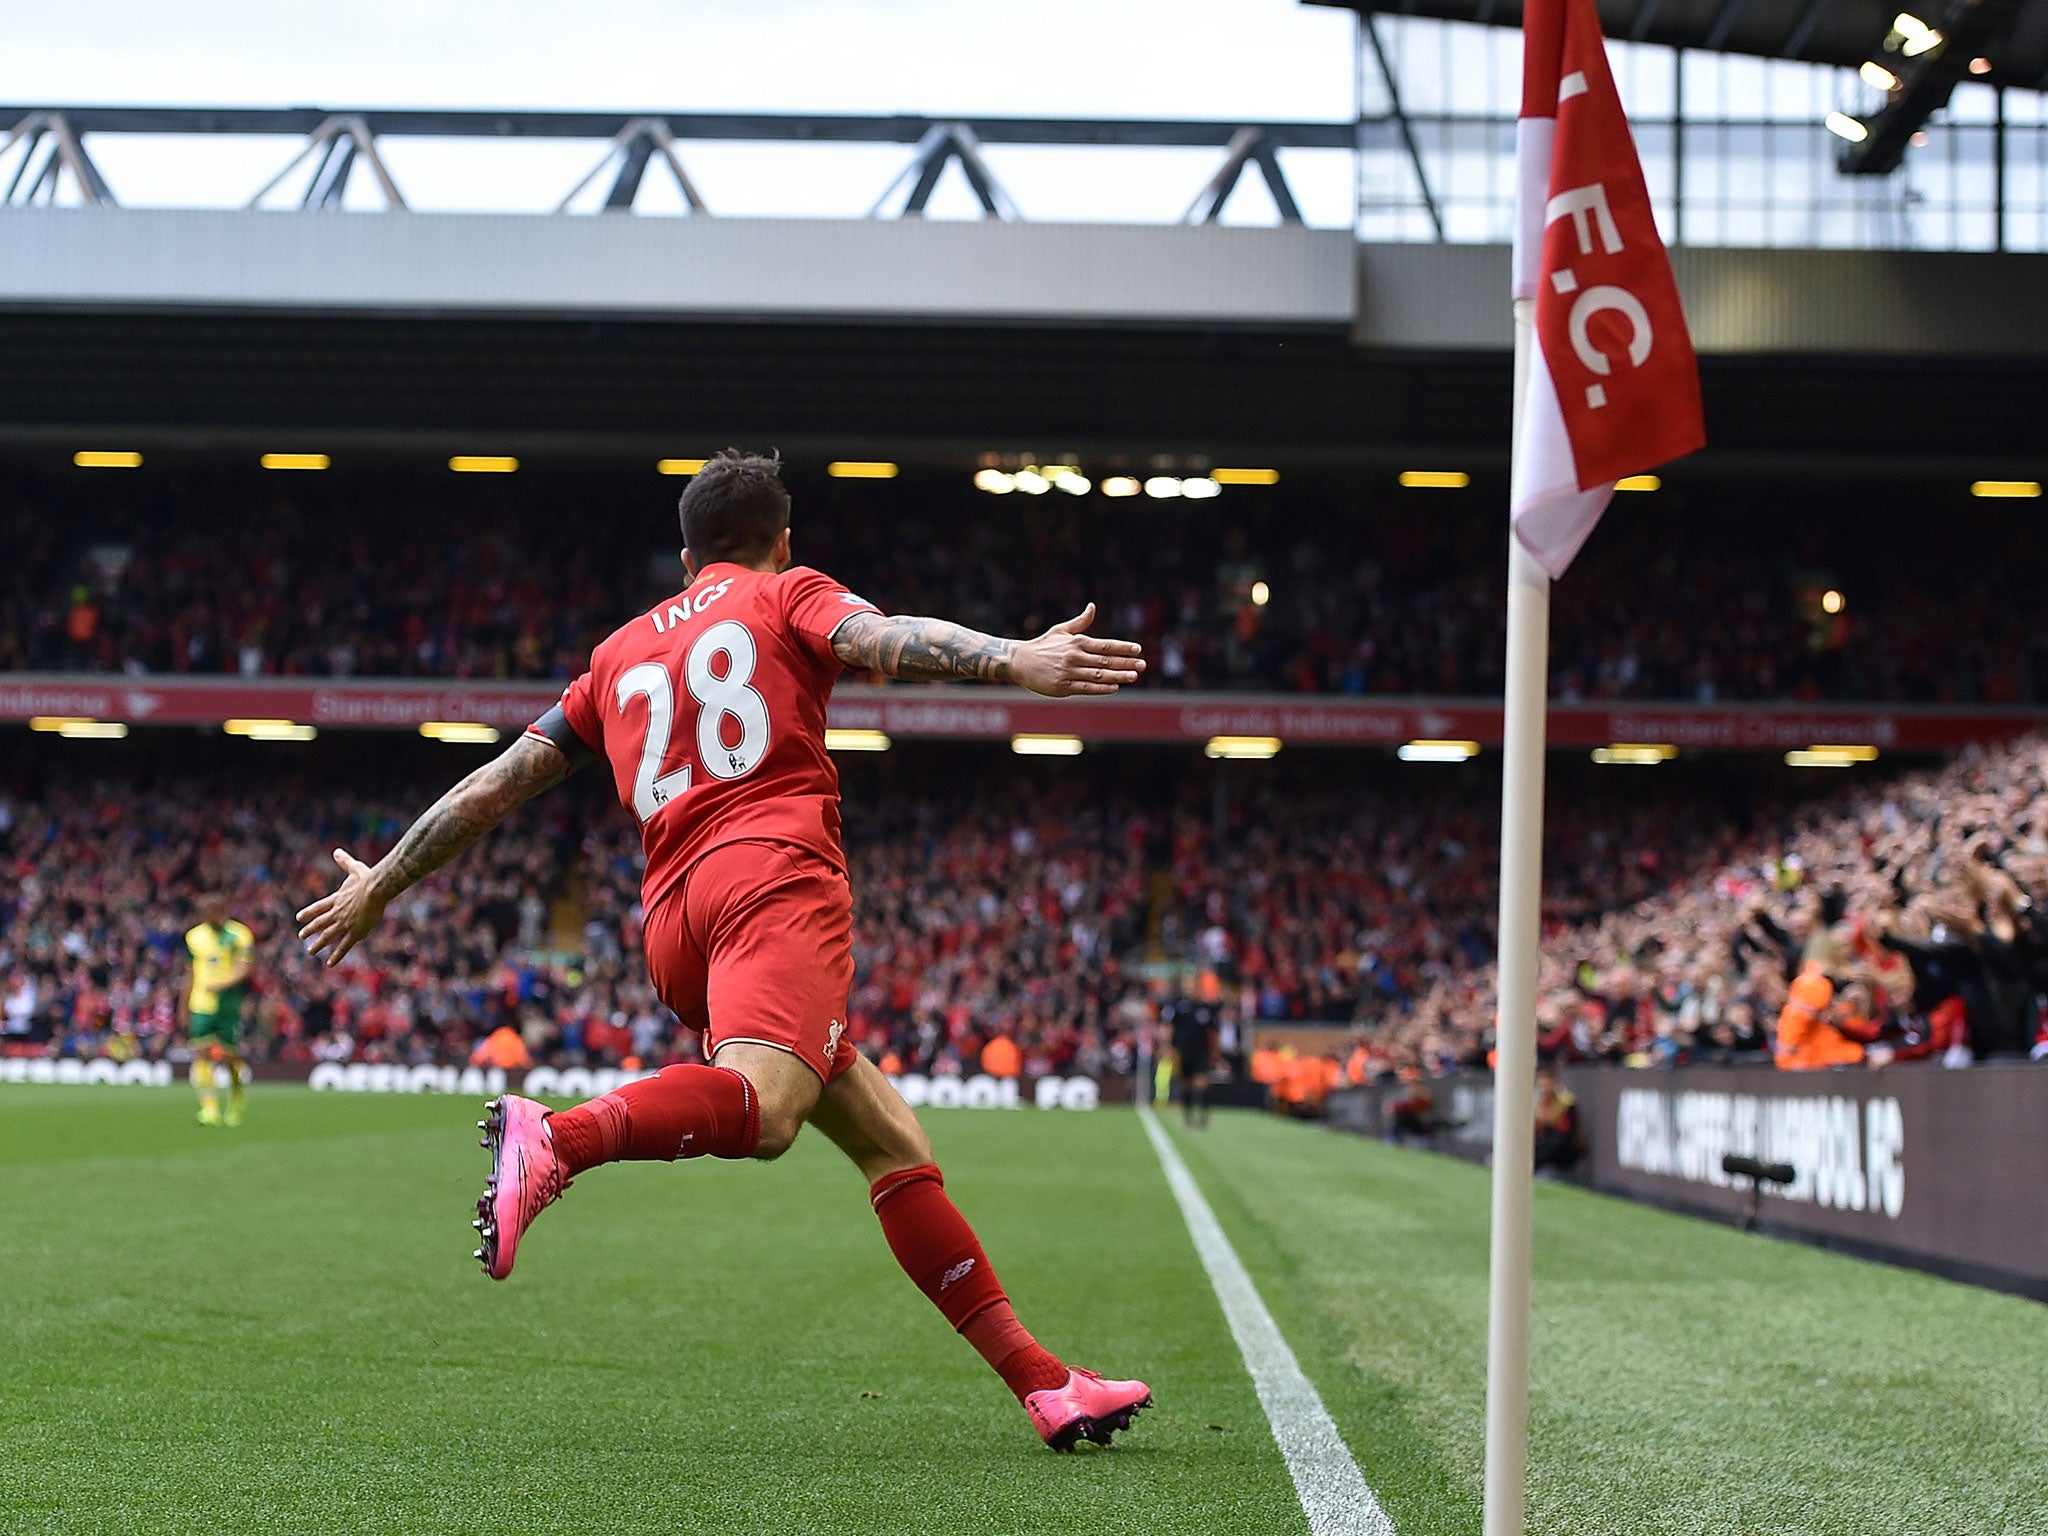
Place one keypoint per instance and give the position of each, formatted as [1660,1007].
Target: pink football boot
[1087,1407]
[526,1178]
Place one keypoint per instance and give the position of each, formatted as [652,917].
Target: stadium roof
[1299,397]
[1843,32]
[915,269]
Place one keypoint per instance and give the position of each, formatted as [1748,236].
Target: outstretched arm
[337,922]
[1064,661]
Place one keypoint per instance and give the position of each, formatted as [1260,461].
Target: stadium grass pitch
[281,1329]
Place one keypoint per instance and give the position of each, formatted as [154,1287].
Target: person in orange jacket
[1330,1074]
[1001,1058]
[1286,1080]
[1807,1039]
[1308,1080]
[1358,1067]
[502,1048]
[1268,1067]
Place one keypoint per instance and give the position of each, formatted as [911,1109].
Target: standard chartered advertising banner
[977,1092]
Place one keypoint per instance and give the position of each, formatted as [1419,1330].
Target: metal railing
[47,151]
[1416,175]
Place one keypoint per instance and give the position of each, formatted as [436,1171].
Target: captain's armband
[554,727]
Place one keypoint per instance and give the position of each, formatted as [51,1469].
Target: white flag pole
[1514,1077]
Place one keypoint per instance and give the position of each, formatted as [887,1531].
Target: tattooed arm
[1063,661]
[337,922]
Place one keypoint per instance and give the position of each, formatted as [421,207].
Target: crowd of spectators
[100,881]
[1049,917]
[978,921]
[1316,587]
[1905,921]
[302,584]
[1021,916]
[1353,905]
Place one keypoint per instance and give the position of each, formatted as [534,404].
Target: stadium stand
[1892,923]
[1056,913]
[1703,596]
[979,920]
[100,883]
[1020,936]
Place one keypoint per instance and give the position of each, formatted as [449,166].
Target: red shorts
[755,945]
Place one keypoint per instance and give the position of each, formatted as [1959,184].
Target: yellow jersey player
[221,950]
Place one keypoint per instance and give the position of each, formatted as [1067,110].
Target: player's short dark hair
[735,507]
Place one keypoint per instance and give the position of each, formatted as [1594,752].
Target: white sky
[1079,58]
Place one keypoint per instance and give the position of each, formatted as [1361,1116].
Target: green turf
[1685,1377]
[280,1329]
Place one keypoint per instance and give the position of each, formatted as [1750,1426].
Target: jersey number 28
[718,699]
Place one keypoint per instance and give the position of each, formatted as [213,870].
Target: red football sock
[942,1256]
[687,1111]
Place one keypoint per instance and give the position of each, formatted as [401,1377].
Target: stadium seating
[1901,921]
[99,887]
[1056,911]
[1307,591]
[1005,921]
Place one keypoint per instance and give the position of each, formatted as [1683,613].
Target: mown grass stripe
[1334,1494]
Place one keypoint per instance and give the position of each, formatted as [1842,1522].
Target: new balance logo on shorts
[959,1271]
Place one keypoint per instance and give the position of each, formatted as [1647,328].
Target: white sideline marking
[1334,1494]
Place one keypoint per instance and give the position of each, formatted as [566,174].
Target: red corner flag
[1613,387]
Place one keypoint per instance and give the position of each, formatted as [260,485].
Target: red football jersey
[710,708]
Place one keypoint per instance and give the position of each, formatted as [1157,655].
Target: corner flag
[1613,387]
[1606,385]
